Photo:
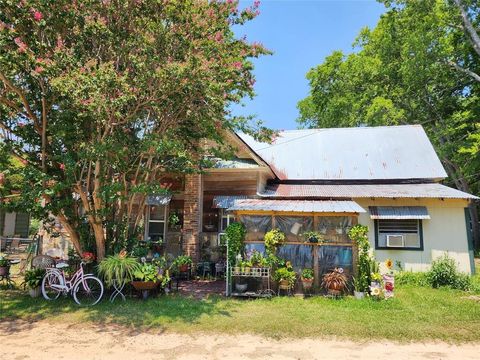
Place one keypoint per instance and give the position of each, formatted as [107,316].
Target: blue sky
[301,34]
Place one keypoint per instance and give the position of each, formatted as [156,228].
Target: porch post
[192,215]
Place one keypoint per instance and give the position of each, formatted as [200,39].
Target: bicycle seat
[61,265]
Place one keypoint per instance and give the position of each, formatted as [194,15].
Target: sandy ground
[46,341]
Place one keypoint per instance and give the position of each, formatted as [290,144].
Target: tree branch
[473,35]
[468,72]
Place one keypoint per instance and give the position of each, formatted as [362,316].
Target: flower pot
[307,284]
[313,240]
[4,270]
[145,285]
[241,288]
[247,270]
[36,292]
[236,270]
[359,295]
[183,268]
[283,285]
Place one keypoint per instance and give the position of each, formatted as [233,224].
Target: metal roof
[226,201]
[399,212]
[306,206]
[361,153]
[433,190]
[158,200]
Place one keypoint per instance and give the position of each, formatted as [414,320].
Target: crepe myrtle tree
[101,100]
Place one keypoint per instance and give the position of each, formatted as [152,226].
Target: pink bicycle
[86,289]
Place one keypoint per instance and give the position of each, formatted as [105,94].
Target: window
[398,234]
[156,216]
[226,219]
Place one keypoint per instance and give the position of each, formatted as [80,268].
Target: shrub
[118,268]
[307,274]
[235,234]
[365,267]
[411,278]
[285,274]
[444,273]
[34,277]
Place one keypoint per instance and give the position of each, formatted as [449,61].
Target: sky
[300,34]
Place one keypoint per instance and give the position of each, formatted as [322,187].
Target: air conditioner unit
[395,241]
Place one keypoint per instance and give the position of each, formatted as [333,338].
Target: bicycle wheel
[50,286]
[88,291]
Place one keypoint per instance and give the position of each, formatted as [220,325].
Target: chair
[14,246]
[43,262]
[219,269]
[205,268]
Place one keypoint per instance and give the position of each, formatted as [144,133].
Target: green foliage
[121,117]
[401,73]
[118,268]
[146,272]
[287,274]
[411,278]
[313,235]
[4,261]
[34,226]
[359,235]
[182,260]
[257,259]
[33,278]
[307,274]
[273,239]
[235,235]
[444,272]
[140,250]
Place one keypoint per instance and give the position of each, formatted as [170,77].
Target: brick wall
[192,223]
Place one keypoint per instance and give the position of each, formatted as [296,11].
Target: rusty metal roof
[307,206]
[433,190]
[226,201]
[361,153]
[399,212]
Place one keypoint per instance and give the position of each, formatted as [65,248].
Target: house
[14,224]
[388,178]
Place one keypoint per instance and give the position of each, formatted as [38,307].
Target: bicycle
[86,289]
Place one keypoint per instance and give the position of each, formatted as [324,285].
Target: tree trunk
[74,236]
[473,208]
[99,239]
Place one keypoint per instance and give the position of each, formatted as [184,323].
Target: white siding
[445,232]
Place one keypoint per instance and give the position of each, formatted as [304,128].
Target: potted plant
[146,278]
[358,289]
[307,278]
[33,280]
[238,264]
[174,221]
[4,266]
[247,266]
[118,269]
[313,237]
[285,276]
[182,263]
[335,282]
[273,239]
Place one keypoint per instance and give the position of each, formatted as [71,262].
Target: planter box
[145,285]
[34,293]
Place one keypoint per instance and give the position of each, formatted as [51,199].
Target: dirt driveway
[46,341]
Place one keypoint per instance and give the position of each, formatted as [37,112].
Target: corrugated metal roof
[297,206]
[226,201]
[158,200]
[399,212]
[365,191]
[362,153]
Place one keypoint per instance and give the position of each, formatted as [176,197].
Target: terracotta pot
[145,285]
[284,285]
[183,268]
[307,283]
[4,270]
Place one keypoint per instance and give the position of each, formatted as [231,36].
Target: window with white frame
[226,218]
[399,234]
[156,222]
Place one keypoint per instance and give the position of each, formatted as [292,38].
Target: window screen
[256,226]
[398,233]
[294,226]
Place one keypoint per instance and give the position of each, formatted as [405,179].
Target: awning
[158,200]
[399,212]
[226,201]
[305,206]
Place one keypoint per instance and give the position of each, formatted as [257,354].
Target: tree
[402,73]
[100,100]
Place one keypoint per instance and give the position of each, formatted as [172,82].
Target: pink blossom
[21,125]
[237,65]
[256,3]
[62,166]
[37,15]
[22,47]
[218,37]
[39,69]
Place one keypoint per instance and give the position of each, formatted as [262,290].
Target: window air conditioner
[395,241]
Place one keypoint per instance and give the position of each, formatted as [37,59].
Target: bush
[235,234]
[444,273]
[273,239]
[411,278]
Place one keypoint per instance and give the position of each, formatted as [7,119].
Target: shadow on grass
[19,312]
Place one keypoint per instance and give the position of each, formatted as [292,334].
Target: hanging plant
[235,235]
[273,239]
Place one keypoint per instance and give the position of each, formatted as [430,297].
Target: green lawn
[415,314]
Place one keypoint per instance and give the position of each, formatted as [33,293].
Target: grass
[415,314]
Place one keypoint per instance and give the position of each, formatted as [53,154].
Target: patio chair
[205,269]
[43,262]
[219,269]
